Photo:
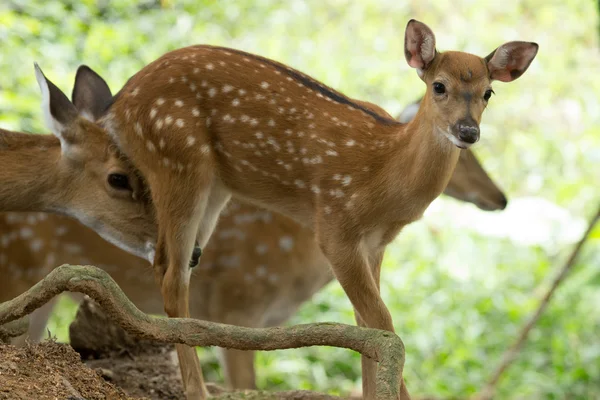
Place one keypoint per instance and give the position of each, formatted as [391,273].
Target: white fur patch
[408,113]
[454,140]
[55,126]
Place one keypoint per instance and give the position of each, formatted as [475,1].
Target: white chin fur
[455,141]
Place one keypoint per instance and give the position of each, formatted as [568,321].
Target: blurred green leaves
[457,295]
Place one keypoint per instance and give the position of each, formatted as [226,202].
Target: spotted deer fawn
[81,174]
[256,271]
[202,123]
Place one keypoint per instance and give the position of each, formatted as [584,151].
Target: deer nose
[468,133]
[503,202]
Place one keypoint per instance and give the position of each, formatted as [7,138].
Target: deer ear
[511,60]
[91,94]
[58,111]
[419,45]
[409,112]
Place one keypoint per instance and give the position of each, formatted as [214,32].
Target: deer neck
[30,178]
[425,159]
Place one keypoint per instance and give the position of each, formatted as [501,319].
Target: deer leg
[38,320]
[352,268]
[219,196]
[375,262]
[179,214]
[238,368]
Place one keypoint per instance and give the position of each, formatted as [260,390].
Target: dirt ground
[115,367]
[49,371]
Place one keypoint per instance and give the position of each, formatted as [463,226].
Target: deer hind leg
[238,368]
[353,268]
[180,209]
[37,320]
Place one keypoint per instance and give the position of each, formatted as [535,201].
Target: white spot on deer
[207,122]
[160,101]
[365,169]
[235,102]
[72,248]
[195,112]
[159,123]
[153,113]
[244,118]
[196,70]
[150,146]
[168,120]
[327,210]
[271,122]
[26,233]
[193,87]
[205,149]
[332,153]
[259,96]
[162,143]
[286,243]
[190,140]
[135,92]
[209,66]
[179,123]
[315,189]
[212,92]
[259,135]
[228,118]
[61,230]
[253,122]
[166,161]
[227,88]
[171,80]
[179,103]
[350,142]
[346,180]
[242,92]
[271,140]
[184,79]
[262,248]
[264,85]
[299,183]
[36,245]
[261,271]
[137,127]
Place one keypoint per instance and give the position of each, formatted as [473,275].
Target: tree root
[382,346]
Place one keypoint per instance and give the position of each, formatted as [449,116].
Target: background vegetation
[460,282]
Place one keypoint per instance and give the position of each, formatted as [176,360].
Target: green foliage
[458,292]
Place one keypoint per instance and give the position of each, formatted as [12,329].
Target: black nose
[503,202]
[468,133]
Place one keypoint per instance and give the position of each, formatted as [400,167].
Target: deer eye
[119,181]
[439,88]
[488,94]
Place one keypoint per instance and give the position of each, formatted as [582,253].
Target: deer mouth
[461,144]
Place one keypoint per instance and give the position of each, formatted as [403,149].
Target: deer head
[459,85]
[94,183]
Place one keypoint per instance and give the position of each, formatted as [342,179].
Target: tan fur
[37,176]
[257,269]
[188,122]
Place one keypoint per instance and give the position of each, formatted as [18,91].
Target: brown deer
[202,123]
[272,263]
[80,173]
